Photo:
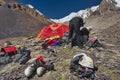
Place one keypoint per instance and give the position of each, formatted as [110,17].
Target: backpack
[49,66]
[93,43]
[23,56]
[10,50]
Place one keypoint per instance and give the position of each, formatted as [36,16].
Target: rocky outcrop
[2,3]
[107,6]
[17,6]
[106,15]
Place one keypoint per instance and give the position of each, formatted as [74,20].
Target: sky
[57,9]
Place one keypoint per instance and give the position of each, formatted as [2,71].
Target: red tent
[55,29]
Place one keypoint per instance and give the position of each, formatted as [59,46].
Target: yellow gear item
[20,46]
[51,38]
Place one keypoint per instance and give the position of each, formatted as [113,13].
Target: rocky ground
[106,59]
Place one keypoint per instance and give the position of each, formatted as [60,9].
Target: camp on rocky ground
[33,47]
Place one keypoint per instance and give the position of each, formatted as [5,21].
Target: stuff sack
[9,50]
[49,66]
[40,71]
[25,56]
[29,70]
[17,57]
[94,43]
[23,60]
[5,60]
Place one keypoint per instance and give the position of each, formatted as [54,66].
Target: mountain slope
[105,16]
[17,20]
[106,20]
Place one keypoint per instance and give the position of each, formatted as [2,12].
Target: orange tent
[52,30]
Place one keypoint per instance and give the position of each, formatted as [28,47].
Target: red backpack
[9,49]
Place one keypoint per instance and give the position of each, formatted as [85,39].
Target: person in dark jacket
[74,31]
[84,33]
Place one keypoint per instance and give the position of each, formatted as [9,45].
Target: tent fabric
[55,29]
[52,42]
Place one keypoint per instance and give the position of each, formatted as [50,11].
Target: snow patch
[107,0]
[82,13]
[94,8]
[118,3]
[39,12]
[30,6]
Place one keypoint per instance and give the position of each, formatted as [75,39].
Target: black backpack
[49,66]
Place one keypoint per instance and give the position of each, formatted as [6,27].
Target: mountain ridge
[104,6]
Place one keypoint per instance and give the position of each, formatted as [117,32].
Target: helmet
[86,61]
